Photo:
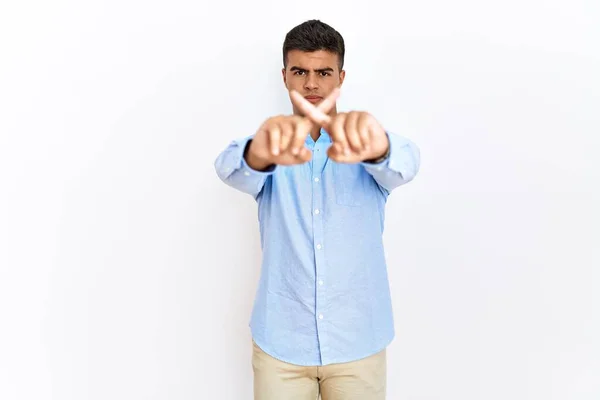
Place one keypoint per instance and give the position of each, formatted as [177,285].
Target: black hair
[314,35]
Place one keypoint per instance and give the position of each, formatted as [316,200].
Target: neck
[315,132]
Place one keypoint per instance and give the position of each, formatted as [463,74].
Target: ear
[342,76]
[284,77]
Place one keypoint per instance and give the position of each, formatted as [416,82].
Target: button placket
[319,160]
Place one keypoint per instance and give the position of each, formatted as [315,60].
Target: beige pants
[276,380]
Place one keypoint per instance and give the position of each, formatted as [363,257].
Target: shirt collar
[324,138]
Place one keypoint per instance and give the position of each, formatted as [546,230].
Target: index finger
[316,114]
[329,101]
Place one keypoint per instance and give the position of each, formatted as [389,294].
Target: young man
[322,316]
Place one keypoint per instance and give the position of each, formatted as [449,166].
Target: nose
[310,82]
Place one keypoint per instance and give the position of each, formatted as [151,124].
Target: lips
[313,99]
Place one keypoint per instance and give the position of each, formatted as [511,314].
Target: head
[313,60]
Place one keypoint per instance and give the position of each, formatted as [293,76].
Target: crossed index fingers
[316,114]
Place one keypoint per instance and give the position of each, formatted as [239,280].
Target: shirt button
[320,316]
[247,173]
[319,246]
[321,283]
[317,211]
[316,179]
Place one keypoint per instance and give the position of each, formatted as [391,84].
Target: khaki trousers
[358,380]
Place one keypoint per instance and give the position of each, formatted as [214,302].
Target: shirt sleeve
[231,168]
[399,167]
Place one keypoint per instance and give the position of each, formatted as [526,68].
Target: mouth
[313,99]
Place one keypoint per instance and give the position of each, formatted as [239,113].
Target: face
[312,74]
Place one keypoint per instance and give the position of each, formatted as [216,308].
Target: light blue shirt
[323,295]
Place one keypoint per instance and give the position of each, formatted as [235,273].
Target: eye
[325,73]
[299,72]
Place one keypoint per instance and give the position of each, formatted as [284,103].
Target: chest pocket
[349,184]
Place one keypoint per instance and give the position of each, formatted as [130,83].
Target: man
[322,316]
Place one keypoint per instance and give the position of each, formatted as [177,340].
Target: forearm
[399,167]
[232,167]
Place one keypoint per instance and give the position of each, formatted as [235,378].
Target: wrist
[379,158]
[255,162]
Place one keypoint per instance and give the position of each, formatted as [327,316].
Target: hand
[356,135]
[280,140]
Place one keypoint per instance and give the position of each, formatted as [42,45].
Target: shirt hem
[274,354]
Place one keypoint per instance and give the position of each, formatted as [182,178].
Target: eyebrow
[327,69]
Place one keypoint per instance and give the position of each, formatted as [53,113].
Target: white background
[128,269]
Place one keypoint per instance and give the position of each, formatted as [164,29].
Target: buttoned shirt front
[323,295]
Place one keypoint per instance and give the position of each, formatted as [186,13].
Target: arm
[400,166]
[247,163]
[232,167]
[351,131]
